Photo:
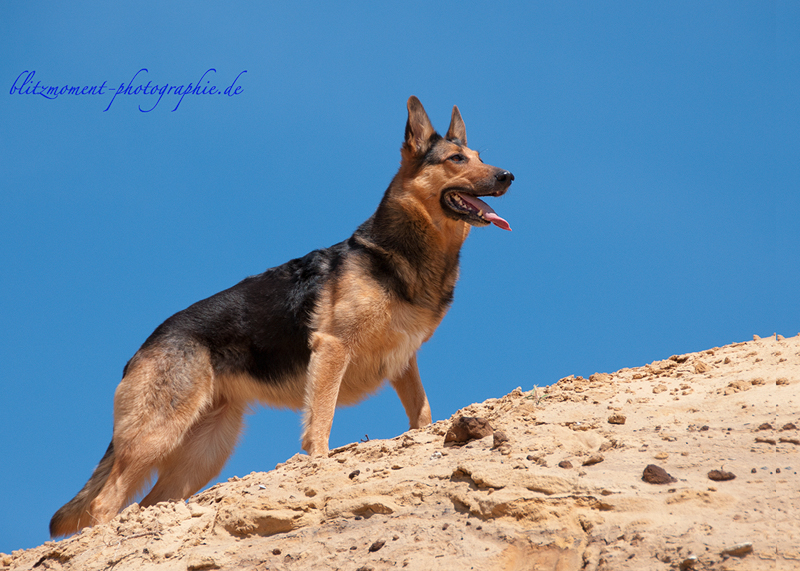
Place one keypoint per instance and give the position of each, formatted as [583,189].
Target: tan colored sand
[414,503]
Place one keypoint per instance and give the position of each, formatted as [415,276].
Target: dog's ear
[418,128]
[457,131]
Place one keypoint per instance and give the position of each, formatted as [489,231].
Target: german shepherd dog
[316,332]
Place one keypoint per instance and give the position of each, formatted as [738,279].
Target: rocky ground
[545,479]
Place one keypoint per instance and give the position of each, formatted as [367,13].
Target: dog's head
[448,177]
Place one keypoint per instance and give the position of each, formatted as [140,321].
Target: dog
[319,331]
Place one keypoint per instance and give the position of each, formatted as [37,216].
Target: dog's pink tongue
[488,211]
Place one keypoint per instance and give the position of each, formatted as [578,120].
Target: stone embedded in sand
[500,438]
[721,475]
[593,459]
[736,387]
[201,562]
[700,367]
[565,464]
[617,419]
[377,545]
[466,428]
[656,475]
[739,550]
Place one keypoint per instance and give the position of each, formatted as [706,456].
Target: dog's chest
[384,352]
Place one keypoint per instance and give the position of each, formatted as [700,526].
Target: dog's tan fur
[175,414]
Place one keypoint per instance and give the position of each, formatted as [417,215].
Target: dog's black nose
[504,176]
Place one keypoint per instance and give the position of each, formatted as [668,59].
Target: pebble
[593,459]
[377,545]
[721,475]
[500,438]
[739,550]
[656,475]
[466,428]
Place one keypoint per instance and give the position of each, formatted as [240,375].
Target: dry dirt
[557,485]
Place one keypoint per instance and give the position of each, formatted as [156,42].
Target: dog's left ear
[457,131]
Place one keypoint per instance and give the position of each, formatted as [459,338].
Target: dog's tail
[76,514]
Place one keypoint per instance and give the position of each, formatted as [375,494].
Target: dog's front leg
[409,388]
[329,360]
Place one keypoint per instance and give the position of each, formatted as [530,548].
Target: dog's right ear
[418,128]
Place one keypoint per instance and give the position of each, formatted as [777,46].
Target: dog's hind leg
[200,456]
[165,390]
[409,388]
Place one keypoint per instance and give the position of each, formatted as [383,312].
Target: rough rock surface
[413,502]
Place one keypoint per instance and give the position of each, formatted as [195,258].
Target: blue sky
[656,208]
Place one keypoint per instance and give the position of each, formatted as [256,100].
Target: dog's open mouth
[474,210]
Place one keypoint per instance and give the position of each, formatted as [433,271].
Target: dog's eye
[458,158]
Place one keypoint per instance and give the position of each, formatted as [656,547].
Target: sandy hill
[686,463]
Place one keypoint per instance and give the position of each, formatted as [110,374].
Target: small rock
[739,550]
[377,545]
[565,464]
[700,367]
[353,474]
[777,470]
[789,426]
[765,426]
[782,381]
[656,475]
[753,471]
[500,438]
[466,428]
[617,419]
[661,456]
[593,459]
[198,562]
[721,475]
[276,551]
